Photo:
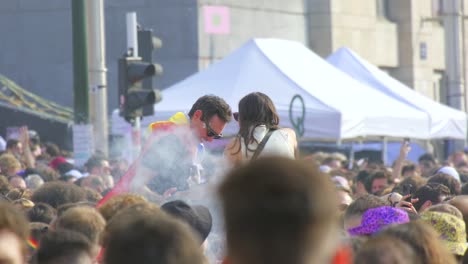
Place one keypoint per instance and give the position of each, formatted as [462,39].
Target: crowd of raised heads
[313,209]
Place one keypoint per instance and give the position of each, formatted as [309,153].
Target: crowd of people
[276,206]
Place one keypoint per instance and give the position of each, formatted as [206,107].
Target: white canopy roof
[336,105]
[446,122]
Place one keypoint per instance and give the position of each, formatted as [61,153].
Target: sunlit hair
[13,220]
[118,203]
[423,239]
[255,109]
[82,219]
[279,210]
[386,249]
[212,105]
[144,234]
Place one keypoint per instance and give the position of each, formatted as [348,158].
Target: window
[382,9]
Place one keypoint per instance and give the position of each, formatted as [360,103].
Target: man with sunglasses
[170,156]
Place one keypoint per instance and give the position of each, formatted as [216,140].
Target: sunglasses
[236,116]
[210,132]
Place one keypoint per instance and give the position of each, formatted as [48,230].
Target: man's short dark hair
[63,246]
[94,161]
[279,210]
[11,143]
[143,234]
[372,177]
[427,157]
[212,105]
[433,192]
[362,176]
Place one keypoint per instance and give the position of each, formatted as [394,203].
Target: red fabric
[124,183]
[344,255]
[56,162]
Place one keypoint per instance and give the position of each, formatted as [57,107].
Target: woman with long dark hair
[259,125]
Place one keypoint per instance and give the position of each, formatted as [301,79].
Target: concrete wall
[356,25]
[252,19]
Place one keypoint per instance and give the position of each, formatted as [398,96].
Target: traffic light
[147,44]
[132,96]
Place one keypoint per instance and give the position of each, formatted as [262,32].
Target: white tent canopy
[446,122]
[336,106]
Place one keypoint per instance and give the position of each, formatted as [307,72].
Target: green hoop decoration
[298,122]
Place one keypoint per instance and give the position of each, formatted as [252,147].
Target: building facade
[406,38]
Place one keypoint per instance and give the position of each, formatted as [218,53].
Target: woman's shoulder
[288,131]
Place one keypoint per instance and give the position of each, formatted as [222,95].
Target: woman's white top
[277,145]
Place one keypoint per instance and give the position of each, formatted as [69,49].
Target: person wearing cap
[451,229]
[198,217]
[168,159]
[374,219]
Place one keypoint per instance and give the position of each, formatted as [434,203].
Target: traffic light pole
[132,48]
[80,63]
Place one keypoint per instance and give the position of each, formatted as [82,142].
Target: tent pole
[384,150]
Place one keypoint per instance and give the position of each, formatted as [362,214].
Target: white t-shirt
[277,144]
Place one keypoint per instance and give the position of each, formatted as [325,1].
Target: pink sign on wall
[217,20]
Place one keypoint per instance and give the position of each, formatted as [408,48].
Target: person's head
[93,182]
[41,212]
[453,184]
[410,184]
[344,197]
[458,157]
[17,182]
[51,149]
[376,182]
[14,147]
[427,164]
[358,207]
[430,194]
[144,234]
[461,203]
[256,109]
[445,208]
[410,170]
[48,174]
[98,165]
[208,117]
[198,217]
[385,250]
[85,220]
[58,193]
[423,239]
[33,181]
[375,219]
[9,165]
[360,183]
[64,246]
[119,202]
[14,231]
[279,210]
[451,229]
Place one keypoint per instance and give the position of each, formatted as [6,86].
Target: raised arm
[404,150]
